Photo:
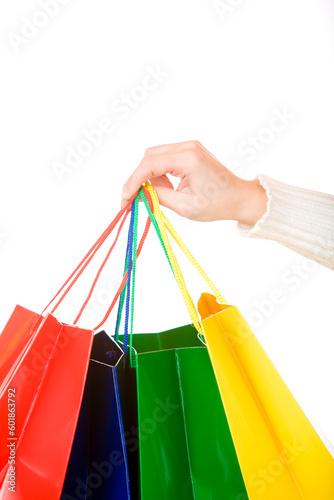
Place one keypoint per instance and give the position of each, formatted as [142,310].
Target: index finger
[155,165]
[165,148]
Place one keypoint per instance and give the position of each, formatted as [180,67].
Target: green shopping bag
[185,446]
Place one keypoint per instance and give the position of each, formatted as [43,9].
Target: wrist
[253,202]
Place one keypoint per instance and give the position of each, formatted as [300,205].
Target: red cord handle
[124,212]
[88,257]
[125,277]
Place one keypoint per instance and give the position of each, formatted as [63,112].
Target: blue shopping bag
[98,466]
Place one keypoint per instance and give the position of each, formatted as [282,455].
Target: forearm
[300,219]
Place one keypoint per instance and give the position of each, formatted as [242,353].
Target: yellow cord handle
[178,274]
[164,223]
[192,259]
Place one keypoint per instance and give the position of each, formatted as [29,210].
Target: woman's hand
[207,190]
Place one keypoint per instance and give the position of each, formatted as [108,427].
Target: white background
[225,73]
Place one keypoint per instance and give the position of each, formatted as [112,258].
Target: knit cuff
[300,219]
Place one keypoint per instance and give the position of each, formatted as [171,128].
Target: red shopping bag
[39,404]
[43,369]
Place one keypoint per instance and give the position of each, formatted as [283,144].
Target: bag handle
[131,265]
[123,283]
[71,280]
[163,224]
[174,263]
[172,231]
[149,206]
[148,194]
[125,277]
[86,260]
[170,228]
[128,291]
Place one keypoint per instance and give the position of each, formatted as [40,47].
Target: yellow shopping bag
[280,454]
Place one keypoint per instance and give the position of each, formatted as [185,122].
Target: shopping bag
[97,469]
[280,454]
[290,458]
[39,404]
[185,446]
[43,367]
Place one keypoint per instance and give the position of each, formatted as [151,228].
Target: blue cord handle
[128,291]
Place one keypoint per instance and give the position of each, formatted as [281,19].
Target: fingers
[174,200]
[177,146]
[161,181]
[177,159]
[155,165]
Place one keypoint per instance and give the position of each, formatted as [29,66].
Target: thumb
[174,200]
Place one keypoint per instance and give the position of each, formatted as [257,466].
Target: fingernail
[125,194]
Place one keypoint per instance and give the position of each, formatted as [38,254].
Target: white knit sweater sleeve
[300,219]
